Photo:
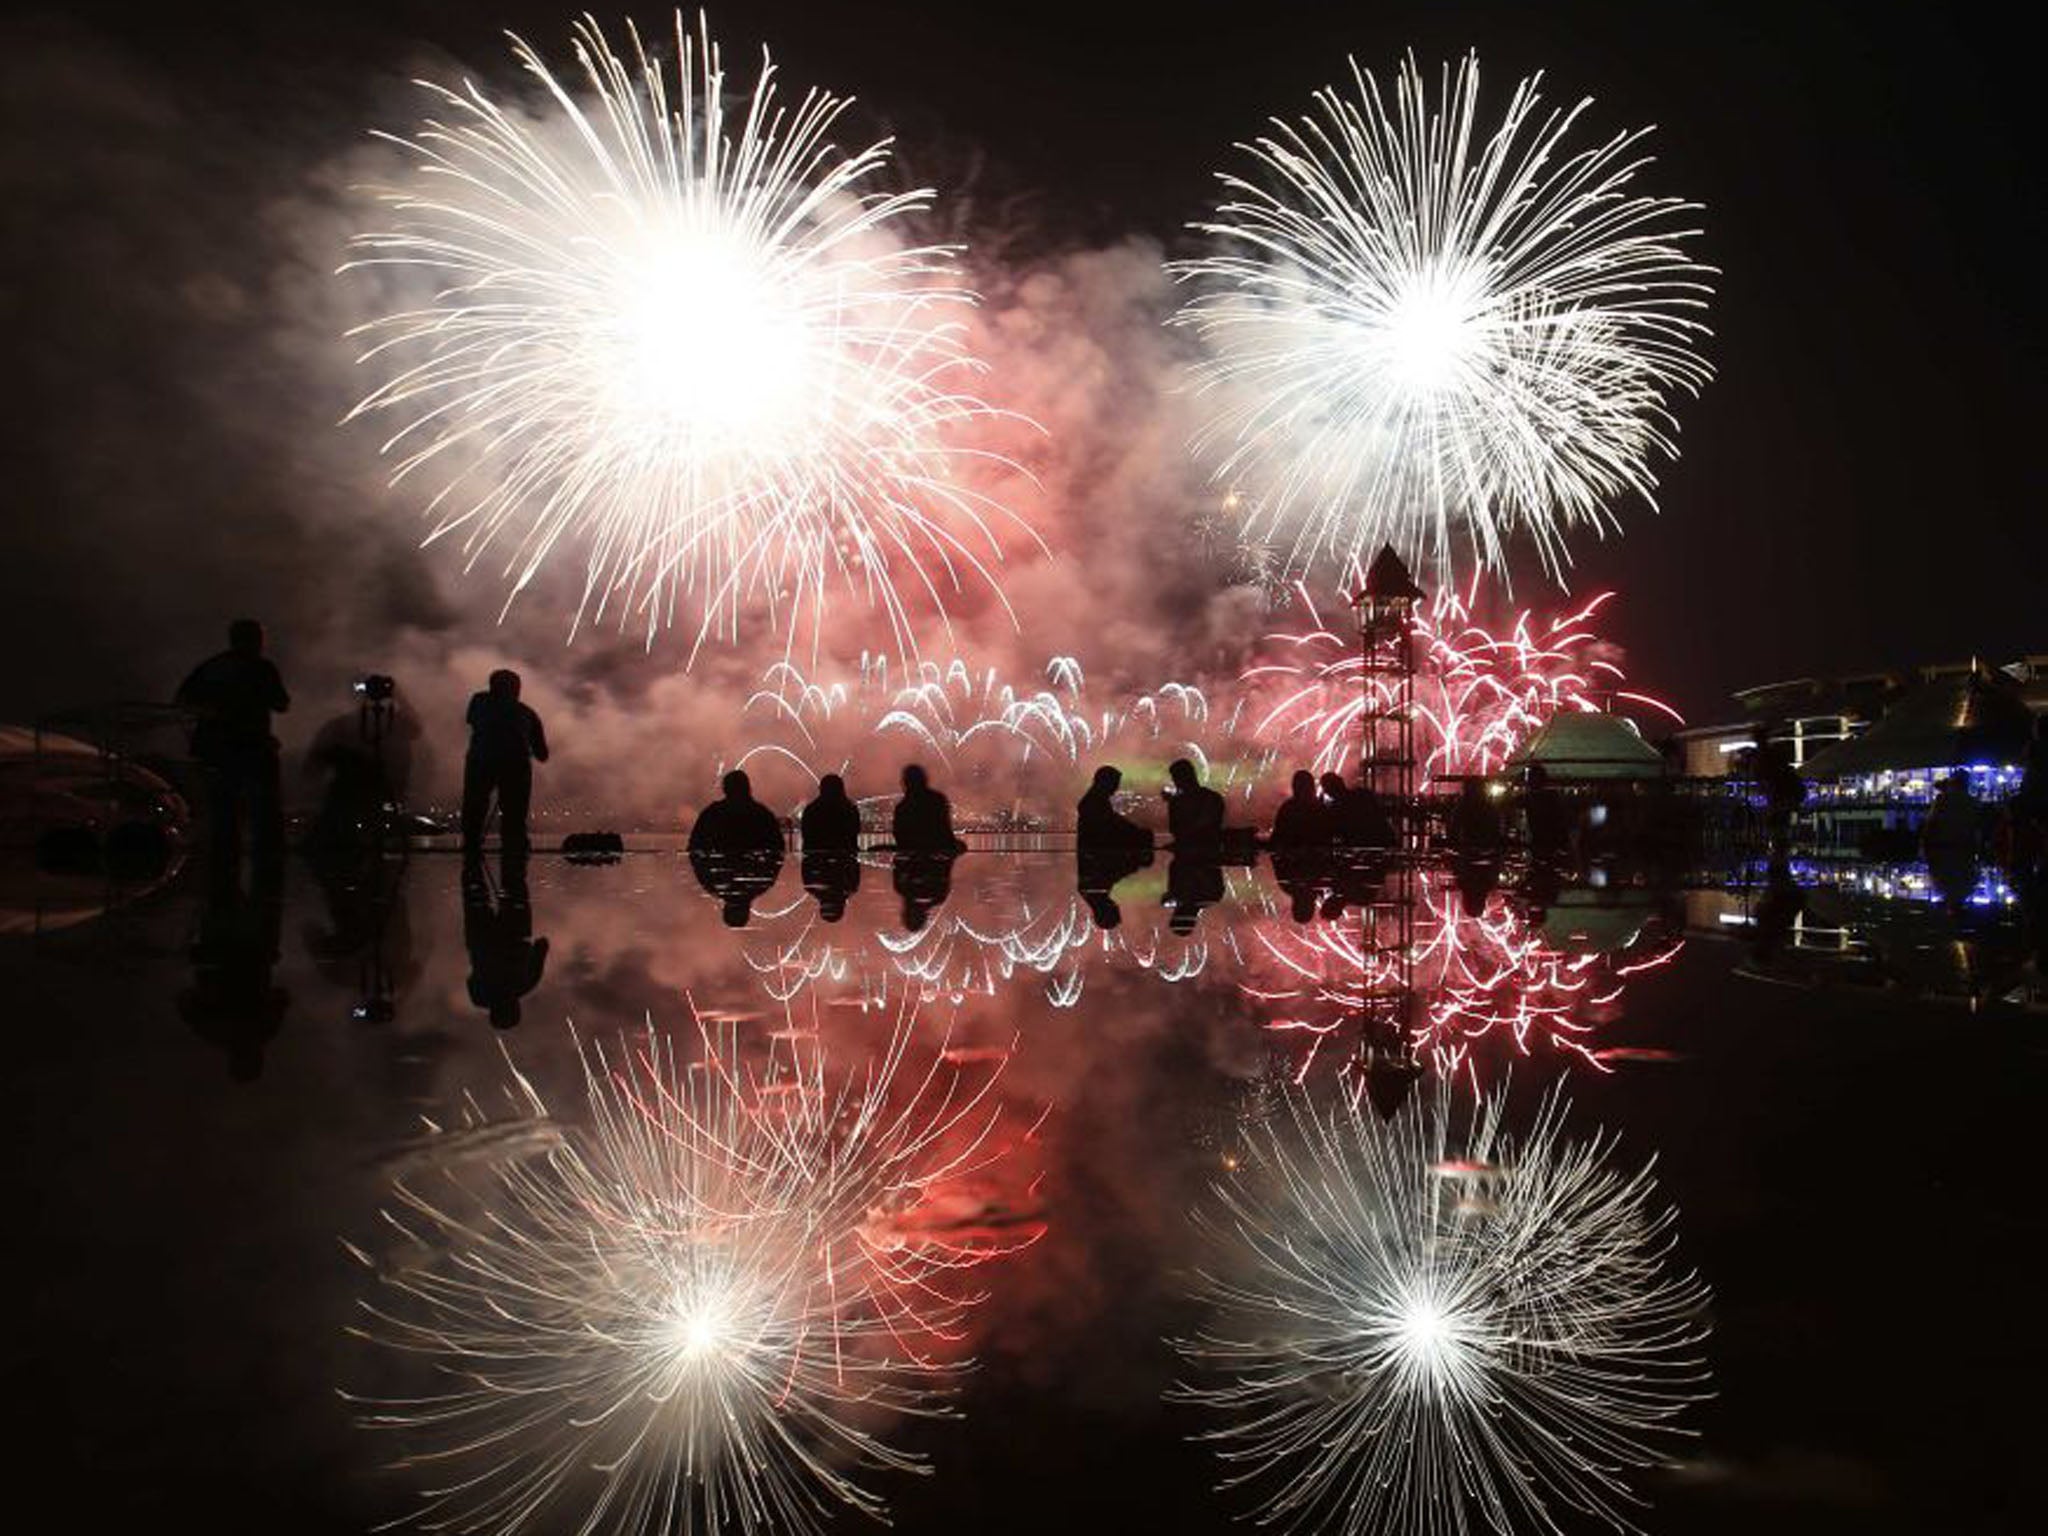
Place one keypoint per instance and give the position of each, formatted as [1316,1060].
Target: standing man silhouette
[232,696]
[505,741]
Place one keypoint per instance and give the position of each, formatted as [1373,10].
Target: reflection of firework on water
[683,333]
[1491,977]
[1414,1330]
[700,1310]
[1417,330]
[992,737]
[1479,693]
[972,948]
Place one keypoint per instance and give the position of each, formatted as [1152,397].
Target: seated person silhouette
[1474,824]
[1549,819]
[1194,812]
[1097,821]
[1302,820]
[232,696]
[1358,815]
[924,881]
[737,823]
[1192,883]
[831,822]
[505,741]
[923,822]
[505,959]
[831,876]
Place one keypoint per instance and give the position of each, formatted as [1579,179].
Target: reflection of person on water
[1096,872]
[924,881]
[831,878]
[1777,911]
[232,1002]
[505,959]
[1192,883]
[738,878]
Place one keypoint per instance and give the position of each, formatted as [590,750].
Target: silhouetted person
[505,741]
[831,822]
[505,959]
[1304,874]
[1302,820]
[1549,819]
[1783,789]
[923,822]
[1194,812]
[1950,833]
[363,760]
[232,696]
[1193,881]
[1357,815]
[1474,823]
[831,876]
[737,822]
[1098,869]
[924,881]
[1097,821]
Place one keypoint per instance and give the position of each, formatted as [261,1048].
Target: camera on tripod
[375,688]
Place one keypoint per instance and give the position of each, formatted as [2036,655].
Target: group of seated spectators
[1328,812]
[737,823]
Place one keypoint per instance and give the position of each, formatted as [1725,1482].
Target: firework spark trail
[990,732]
[1414,1330]
[1479,693]
[700,1310]
[685,333]
[1422,333]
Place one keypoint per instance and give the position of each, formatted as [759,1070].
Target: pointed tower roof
[1388,578]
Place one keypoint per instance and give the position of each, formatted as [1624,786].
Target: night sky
[1858,488]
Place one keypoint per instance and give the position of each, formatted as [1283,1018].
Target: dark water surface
[1844,1107]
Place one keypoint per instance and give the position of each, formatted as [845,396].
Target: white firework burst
[1419,1333]
[702,1310]
[685,334]
[1421,333]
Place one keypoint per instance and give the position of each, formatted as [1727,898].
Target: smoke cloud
[182,462]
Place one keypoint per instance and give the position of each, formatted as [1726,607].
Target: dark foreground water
[1843,1102]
